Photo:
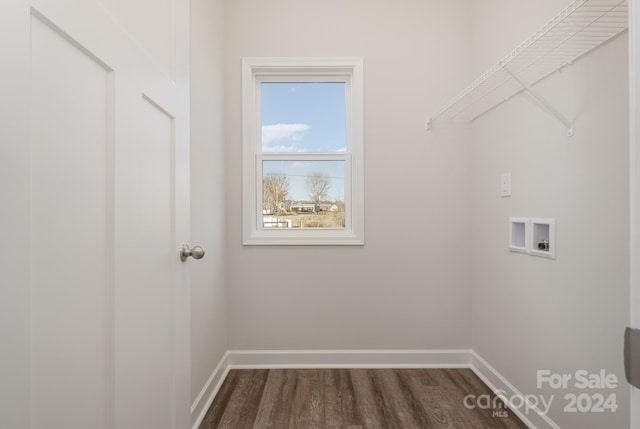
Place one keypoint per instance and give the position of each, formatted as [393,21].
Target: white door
[94,303]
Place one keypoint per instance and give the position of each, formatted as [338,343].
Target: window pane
[303,194]
[303,117]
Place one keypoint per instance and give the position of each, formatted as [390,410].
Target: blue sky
[304,118]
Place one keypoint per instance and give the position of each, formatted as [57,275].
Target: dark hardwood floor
[353,399]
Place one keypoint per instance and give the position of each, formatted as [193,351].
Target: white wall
[408,287]
[420,282]
[208,275]
[498,26]
[531,313]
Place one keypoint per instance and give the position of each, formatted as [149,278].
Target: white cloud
[279,149]
[288,132]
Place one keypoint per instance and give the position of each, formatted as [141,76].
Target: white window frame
[255,71]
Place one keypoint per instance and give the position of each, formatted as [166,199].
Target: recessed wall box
[543,240]
[519,234]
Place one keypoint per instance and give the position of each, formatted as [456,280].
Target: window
[303,151]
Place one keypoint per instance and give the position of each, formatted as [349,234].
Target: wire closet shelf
[581,27]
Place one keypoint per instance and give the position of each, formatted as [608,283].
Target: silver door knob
[196,252]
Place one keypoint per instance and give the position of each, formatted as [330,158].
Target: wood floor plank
[241,410]
[453,404]
[424,399]
[317,414]
[340,405]
[346,394]
[399,402]
[353,399]
[214,414]
[385,396]
[299,416]
[367,408]
[476,384]
[463,382]
[275,406]
[233,409]
[266,408]
[332,399]
[308,400]
[252,398]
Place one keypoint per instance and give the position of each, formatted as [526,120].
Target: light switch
[505,185]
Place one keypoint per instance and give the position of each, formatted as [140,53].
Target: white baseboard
[204,400]
[533,418]
[458,358]
[349,358]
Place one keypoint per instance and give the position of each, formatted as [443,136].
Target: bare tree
[318,185]
[275,189]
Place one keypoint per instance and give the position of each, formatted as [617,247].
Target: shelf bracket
[543,102]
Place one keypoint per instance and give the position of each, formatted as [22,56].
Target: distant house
[306,207]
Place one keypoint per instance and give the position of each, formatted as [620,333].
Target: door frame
[634,185]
